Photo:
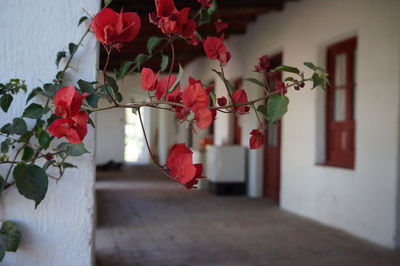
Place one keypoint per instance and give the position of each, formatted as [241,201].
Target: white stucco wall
[360,201]
[60,231]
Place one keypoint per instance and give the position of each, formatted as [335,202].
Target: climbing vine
[39,143]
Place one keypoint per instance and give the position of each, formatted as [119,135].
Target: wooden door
[272,150]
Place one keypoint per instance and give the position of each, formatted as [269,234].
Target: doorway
[272,150]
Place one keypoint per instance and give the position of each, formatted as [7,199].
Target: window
[340,124]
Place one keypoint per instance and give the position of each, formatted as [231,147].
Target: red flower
[181,167]
[149,79]
[195,99]
[162,87]
[220,26]
[68,101]
[222,101]
[172,21]
[73,124]
[165,8]
[195,96]
[112,28]
[281,87]
[73,129]
[263,64]
[203,118]
[205,3]
[215,49]
[239,97]
[257,139]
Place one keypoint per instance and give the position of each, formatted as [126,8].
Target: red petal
[149,79]
[204,118]
[63,99]
[215,49]
[257,139]
[240,96]
[131,26]
[165,7]
[102,25]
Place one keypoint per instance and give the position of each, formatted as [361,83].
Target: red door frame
[340,136]
[272,154]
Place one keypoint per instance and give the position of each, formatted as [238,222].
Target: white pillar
[60,231]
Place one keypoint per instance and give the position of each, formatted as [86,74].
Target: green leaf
[152,43]
[33,93]
[107,3]
[291,79]
[5,146]
[164,62]
[19,126]
[176,83]
[72,47]
[2,252]
[313,67]
[10,236]
[205,17]
[66,165]
[34,111]
[82,19]
[255,81]
[5,102]
[285,68]
[90,121]
[86,86]
[139,60]
[7,129]
[32,182]
[2,184]
[277,106]
[213,8]
[113,84]
[93,100]
[310,65]
[44,139]
[28,154]
[319,80]
[60,55]
[213,98]
[72,149]
[124,69]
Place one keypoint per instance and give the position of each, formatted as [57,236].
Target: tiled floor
[145,219]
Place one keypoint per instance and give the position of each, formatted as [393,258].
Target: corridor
[145,219]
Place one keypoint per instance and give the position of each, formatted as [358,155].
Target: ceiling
[237,13]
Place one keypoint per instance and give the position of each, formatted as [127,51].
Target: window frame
[341,133]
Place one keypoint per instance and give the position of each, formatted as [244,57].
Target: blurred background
[325,188]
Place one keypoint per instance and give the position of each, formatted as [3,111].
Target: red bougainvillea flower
[165,8]
[220,26]
[203,118]
[162,87]
[112,28]
[257,139]
[205,3]
[215,49]
[239,97]
[263,64]
[222,101]
[68,101]
[73,123]
[195,99]
[74,129]
[149,79]
[194,95]
[281,87]
[181,167]
[172,21]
